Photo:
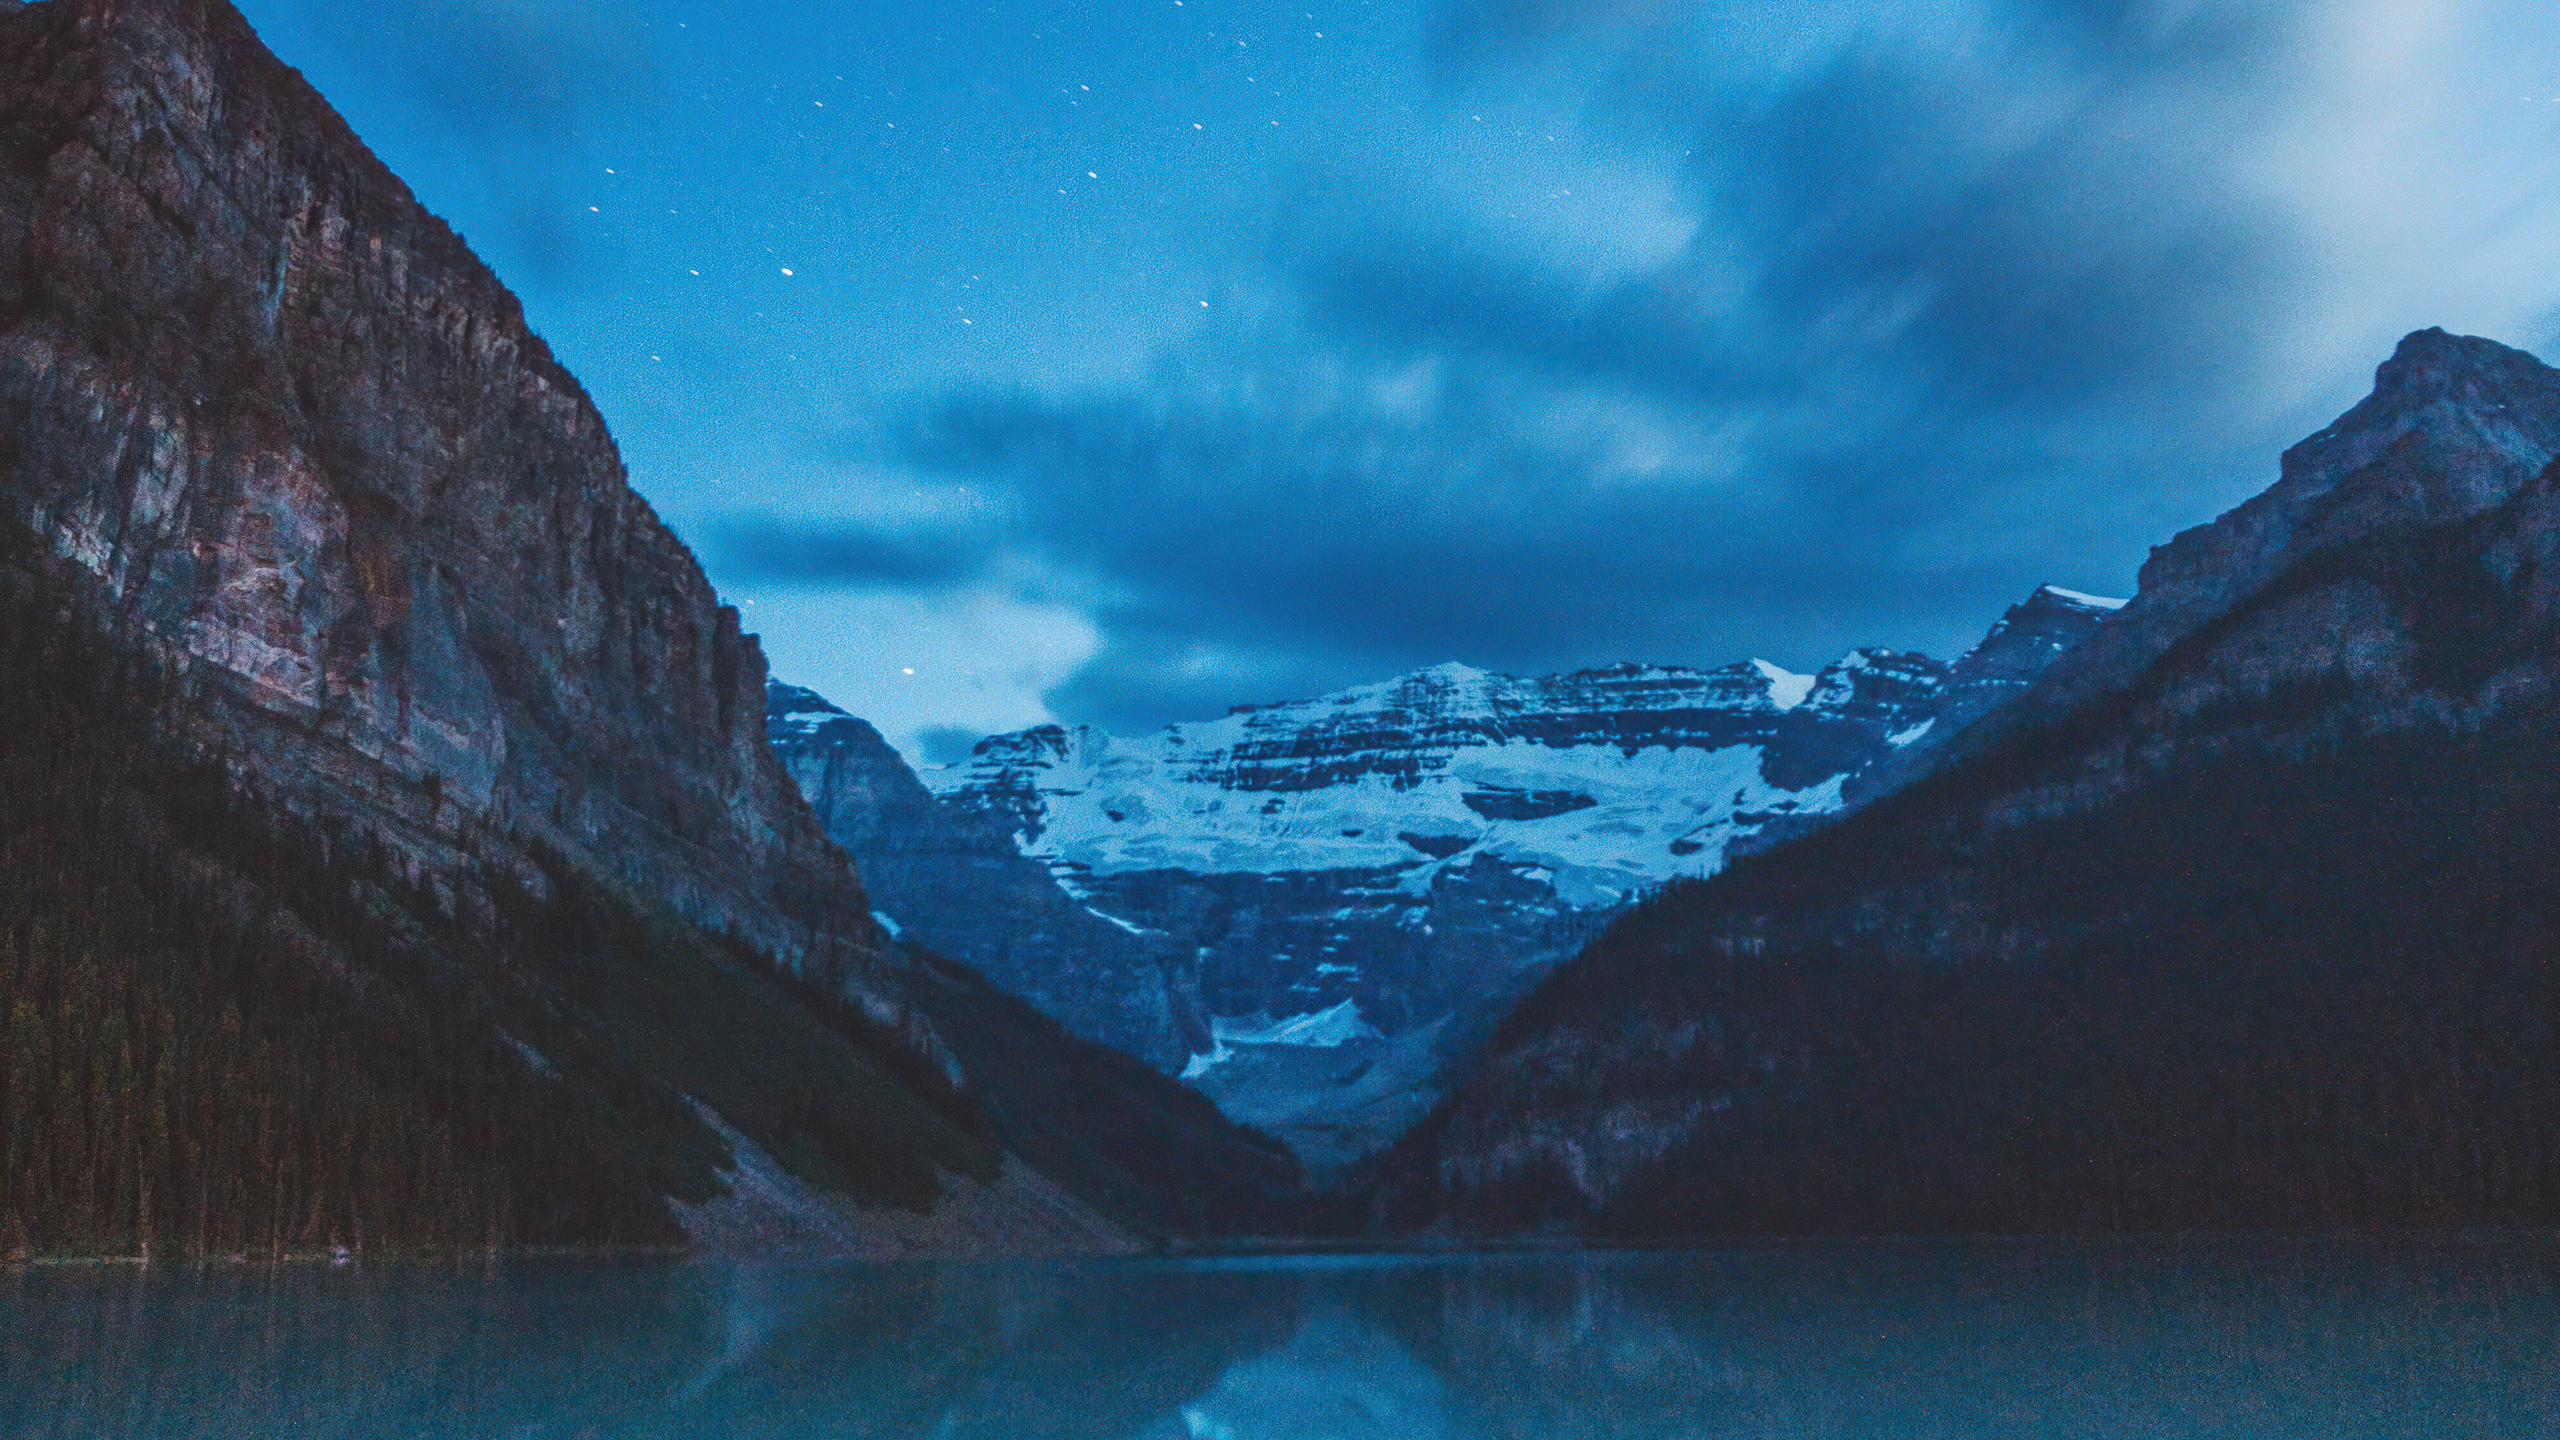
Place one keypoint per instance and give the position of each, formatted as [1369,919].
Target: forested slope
[230,1029]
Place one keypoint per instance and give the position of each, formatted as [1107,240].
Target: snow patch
[1787,689]
[1222,797]
[2100,601]
[1900,738]
[885,923]
[540,1062]
[1321,1029]
[1116,920]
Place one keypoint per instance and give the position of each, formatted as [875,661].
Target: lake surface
[2257,1339]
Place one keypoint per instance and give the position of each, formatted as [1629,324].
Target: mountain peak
[2454,425]
[1787,689]
[2427,362]
[784,698]
[2457,405]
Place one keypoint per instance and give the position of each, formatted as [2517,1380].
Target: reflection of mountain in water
[1337,1378]
[2221,1338]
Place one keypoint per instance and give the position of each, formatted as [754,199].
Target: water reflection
[2250,1339]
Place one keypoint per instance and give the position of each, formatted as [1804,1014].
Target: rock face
[1318,909]
[949,879]
[303,435]
[2228,920]
[2454,426]
[2031,637]
[302,446]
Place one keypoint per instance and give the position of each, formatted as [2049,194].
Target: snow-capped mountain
[1596,784]
[955,882]
[1354,886]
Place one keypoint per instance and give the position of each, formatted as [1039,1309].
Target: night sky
[1115,363]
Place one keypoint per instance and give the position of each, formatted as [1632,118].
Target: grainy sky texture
[1118,362]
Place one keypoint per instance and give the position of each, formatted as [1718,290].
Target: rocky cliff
[290,444]
[2454,426]
[951,879]
[2026,641]
[299,432]
[2231,922]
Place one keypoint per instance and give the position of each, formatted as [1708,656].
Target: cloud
[764,548]
[1232,550]
[1442,296]
[946,744]
[1475,32]
[1977,295]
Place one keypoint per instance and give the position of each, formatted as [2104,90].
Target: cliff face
[952,880]
[269,430]
[2454,426]
[303,435]
[2027,642]
[2251,937]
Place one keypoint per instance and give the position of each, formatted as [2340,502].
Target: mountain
[392,793]
[2238,917]
[2031,636]
[1317,910]
[2454,426]
[965,891]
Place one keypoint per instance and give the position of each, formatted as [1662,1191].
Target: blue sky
[1114,363]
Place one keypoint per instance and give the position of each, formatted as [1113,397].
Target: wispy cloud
[1974,295]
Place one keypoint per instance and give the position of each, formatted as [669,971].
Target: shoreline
[351,1259]
[1285,1247]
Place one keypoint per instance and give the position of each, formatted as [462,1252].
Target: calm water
[2014,1339]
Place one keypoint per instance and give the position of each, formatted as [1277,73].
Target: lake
[2253,1338]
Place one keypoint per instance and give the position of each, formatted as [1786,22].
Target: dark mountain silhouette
[2240,916]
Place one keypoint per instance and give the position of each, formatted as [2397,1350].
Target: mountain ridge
[2248,939]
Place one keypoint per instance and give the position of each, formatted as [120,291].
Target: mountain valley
[1316,911]
[403,850]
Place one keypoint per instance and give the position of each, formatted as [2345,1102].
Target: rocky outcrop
[949,879]
[2454,426]
[2227,924]
[2026,641]
[298,441]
